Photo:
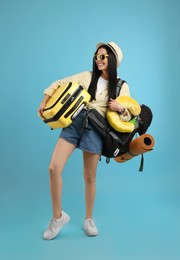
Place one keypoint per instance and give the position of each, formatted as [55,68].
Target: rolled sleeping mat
[139,145]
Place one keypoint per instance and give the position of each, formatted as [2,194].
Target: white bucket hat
[115,49]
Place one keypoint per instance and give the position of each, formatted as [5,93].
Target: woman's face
[101,59]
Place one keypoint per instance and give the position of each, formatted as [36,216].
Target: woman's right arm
[43,104]
[82,78]
[48,92]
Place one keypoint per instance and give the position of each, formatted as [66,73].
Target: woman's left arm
[126,115]
[113,105]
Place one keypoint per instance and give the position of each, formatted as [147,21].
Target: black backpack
[116,143]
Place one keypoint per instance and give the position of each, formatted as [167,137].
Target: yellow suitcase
[65,104]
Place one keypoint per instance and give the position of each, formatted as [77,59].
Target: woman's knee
[54,170]
[90,178]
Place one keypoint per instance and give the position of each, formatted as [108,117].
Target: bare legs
[90,166]
[61,153]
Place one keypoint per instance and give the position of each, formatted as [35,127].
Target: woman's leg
[90,166]
[61,153]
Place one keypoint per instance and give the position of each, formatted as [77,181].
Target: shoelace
[51,225]
[91,222]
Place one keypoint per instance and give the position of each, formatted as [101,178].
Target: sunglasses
[100,56]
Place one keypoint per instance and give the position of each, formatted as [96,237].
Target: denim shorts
[85,138]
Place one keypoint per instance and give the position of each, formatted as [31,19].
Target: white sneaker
[55,226]
[90,227]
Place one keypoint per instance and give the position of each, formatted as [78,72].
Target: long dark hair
[112,71]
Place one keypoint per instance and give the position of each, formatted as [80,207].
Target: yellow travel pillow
[114,118]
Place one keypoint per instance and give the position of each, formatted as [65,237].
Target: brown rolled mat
[139,145]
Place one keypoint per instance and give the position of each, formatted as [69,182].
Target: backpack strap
[120,82]
[141,163]
[119,85]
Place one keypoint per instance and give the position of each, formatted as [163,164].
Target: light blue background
[138,214]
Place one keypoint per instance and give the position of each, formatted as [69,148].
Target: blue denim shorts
[85,138]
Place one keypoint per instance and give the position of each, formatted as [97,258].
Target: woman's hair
[112,71]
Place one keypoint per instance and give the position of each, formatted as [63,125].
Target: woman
[101,84]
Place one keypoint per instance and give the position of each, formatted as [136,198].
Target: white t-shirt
[101,85]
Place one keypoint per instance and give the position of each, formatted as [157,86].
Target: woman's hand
[113,105]
[43,104]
